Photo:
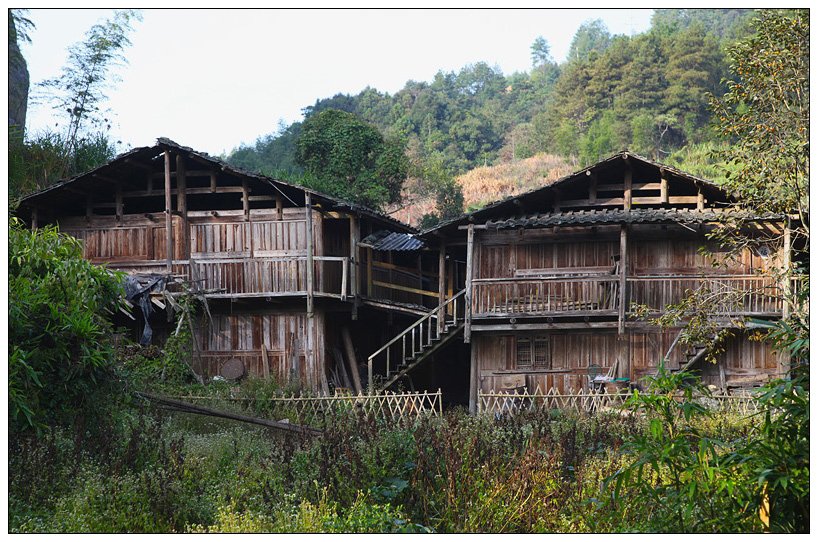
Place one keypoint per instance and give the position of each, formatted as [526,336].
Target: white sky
[212,79]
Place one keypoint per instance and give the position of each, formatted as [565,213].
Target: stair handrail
[418,323]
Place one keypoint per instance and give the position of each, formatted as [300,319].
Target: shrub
[59,308]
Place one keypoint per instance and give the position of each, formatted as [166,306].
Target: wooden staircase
[418,342]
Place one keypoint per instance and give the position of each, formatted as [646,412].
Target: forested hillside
[648,93]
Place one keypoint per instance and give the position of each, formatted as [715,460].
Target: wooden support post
[351,359]
[119,206]
[663,187]
[34,219]
[473,381]
[556,200]
[592,189]
[245,200]
[441,285]
[168,216]
[623,276]
[213,181]
[181,203]
[370,253]
[469,265]
[700,199]
[279,208]
[310,267]
[354,253]
[628,195]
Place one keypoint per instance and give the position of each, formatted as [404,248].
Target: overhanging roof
[146,156]
[511,206]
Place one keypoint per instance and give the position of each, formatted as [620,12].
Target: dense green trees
[347,157]
[646,92]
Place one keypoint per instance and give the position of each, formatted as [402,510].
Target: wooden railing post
[354,252]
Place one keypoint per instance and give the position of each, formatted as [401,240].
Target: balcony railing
[599,295]
[516,296]
[271,276]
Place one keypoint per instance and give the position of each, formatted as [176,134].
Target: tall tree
[765,115]
[591,36]
[88,73]
[347,157]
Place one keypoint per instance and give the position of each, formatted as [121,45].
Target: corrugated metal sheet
[389,240]
[617,216]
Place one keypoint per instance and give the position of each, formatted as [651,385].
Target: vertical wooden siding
[241,336]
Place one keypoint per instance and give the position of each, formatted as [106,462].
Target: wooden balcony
[275,276]
[740,295]
[253,277]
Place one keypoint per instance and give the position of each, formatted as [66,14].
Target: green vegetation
[59,309]
[82,142]
[648,93]
[346,157]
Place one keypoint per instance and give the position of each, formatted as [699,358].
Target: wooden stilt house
[549,289]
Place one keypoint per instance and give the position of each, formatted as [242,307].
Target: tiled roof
[619,216]
[389,240]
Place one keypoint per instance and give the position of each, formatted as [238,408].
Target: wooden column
[181,203]
[592,188]
[623,339]
[213,181]
[786,262]
[557,199]
[664,187]
[473,381]
[310,267]
[369,254]
[623,274]
[441,287]
[628,194]
[245,200]
[34,219]
[279,208]
[469,264]
[699,199]
[354,254]
[118,204]
[168,216]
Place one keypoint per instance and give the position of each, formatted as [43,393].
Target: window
[533,353]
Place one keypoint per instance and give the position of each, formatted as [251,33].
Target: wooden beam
[310,256]
[469,271]
[168,217]
[623,275]
[441,287]
[181,203]
[139,164]
[106,179]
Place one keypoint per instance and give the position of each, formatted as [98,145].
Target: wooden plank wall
[571,355]
[242,335]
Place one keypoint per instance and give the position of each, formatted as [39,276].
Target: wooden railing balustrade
[730,294]
[413,340]
[507,296]
[269,276]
